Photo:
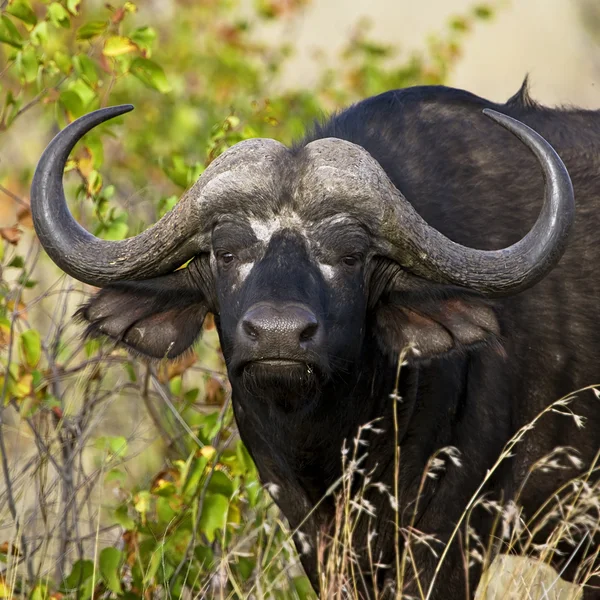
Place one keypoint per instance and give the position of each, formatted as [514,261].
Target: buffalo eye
[350,261]
[225,258]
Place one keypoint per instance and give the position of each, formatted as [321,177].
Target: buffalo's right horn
[160,249]
[425,251]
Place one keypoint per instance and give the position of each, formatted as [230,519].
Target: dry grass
[75,520]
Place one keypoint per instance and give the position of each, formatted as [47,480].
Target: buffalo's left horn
[427,252]
[160,249]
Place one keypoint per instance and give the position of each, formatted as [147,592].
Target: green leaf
[11,110]
[86,68]
[142,502]
[150,73]
[144,37]
[84,91]
[221,484]
[176,170]
[175,385]
[72,102]
[118,45]
[155,562]
[165,512]
[110,567]
[130,372]
[483,11]
[116,445]
[115,475]
[117,230]
[27,64]
[246,566]
[91,30]
[63,62]
[17,262]
[39,592]
[194,476]
[214,515]
[82,570]
[123,519]
[91,346]
[204,556]
[9,34]
[39,34]
[303,588]
[31,347]
[58,16]
[78,99]
[73,6]
[164,488]
[21,9]
[167,204]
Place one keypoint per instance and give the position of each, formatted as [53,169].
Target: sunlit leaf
[22,387]
[9,34]
[115,445]
[214,515]
[39,34]
[63,61]
[58,15]
[91,30]
[150,73]
[84,91]
[73,6]
[117,230]
[86,68]
[39,592]
[144,37]
[27,64]
[142,502]
[72,102]
[31,347]
[21,9]
[109,566]
[117,45]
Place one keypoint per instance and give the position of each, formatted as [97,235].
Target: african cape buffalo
[410,220]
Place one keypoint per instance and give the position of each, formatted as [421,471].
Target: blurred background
[103,456]
[552,40]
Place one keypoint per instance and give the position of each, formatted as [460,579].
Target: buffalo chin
[289,384]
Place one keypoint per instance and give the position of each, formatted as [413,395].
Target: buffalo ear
[434,326]
[159,318]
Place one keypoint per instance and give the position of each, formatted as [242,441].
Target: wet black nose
[285,332]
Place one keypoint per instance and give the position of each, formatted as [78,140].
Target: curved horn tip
[122,108]
[115,111]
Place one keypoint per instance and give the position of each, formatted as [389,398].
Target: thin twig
[13,196]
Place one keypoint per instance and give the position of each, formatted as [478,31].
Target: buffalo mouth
[290,384]
[278,363]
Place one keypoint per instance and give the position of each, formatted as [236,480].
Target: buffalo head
[300,253]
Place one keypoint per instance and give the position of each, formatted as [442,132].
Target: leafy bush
[98,497]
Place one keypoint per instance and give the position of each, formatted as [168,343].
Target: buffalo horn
[428,253]
[160,249]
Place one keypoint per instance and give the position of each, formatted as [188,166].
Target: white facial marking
[264,230]
[327,271]
[245,269]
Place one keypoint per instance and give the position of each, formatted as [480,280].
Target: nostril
[250,330]
[309,332]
